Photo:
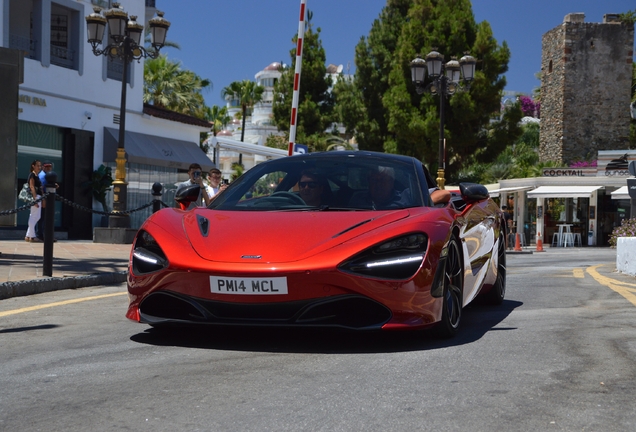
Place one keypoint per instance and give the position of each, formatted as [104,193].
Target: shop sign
[569,172]
[614,163]
[31,100]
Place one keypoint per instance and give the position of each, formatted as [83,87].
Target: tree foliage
[518,160]
[247,93]
[315,108]
[387,114]
[218,117]
[167,85]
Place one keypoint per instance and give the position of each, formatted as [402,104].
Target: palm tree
[168,86]
[218,117]
[248,94]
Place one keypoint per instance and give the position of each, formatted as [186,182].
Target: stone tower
[586,75]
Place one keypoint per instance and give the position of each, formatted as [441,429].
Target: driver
[311,187]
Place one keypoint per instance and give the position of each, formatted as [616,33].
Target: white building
[69,110]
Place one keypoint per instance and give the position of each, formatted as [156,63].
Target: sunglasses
[310,184]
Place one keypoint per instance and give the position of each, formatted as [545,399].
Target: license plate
[251,286]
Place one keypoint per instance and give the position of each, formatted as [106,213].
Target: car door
[477,237]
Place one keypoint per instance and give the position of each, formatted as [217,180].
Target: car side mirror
[188,194]
[473,192]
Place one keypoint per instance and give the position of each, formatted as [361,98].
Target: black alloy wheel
[498,291]
[453,296]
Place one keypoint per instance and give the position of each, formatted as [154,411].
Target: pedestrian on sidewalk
[35,187]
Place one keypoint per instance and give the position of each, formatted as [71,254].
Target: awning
[621,193]
[496,192]
[155,150]
[563,191]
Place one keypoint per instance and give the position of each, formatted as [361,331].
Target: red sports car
[336,239]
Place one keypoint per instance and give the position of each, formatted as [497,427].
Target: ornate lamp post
[125,44]
[446,80]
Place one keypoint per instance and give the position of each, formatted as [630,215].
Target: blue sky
[228,41]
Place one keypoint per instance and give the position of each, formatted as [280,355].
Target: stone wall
[585,88]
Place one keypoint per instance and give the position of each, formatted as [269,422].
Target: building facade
[592,201]
[69,112]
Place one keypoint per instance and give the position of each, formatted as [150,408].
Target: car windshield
[327,182]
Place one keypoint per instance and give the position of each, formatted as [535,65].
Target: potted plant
[100,183]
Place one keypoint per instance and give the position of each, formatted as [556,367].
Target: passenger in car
[381,193]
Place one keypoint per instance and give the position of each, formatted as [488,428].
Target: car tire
[452,294]
[498,291]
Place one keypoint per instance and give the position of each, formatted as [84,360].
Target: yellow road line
[61,303]
[578,273]
[627,290]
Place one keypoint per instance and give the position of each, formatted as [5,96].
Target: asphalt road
[559,354]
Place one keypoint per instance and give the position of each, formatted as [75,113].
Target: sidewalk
[76,264]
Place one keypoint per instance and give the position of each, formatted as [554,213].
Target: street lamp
[446,80]
[125,44]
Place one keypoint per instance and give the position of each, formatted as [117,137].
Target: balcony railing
[23,44]
[62,56]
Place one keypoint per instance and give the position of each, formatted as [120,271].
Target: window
[21,33]
[64,36]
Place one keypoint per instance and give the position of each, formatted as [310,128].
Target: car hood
[277,237]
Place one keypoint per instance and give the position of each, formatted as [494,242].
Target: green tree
[167,85]
[218,117]
[247,93]
[315,106]
[394,118]
[360,106]
[518,160]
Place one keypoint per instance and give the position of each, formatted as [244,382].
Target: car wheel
[452,296]
[498,291]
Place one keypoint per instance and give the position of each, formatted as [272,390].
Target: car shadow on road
[477,320]
[66,265]
[29,328]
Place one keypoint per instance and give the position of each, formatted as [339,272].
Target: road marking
[626,289]
[578,273]
[61,303]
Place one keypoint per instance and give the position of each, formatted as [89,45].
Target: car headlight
[398,258]
[147,256]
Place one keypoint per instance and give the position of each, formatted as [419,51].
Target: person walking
[35,187]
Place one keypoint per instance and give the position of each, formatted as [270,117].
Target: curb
[47,284]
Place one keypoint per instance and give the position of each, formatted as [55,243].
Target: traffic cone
[518,242]
[539,243]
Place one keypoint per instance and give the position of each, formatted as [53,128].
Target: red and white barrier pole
[299,63]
